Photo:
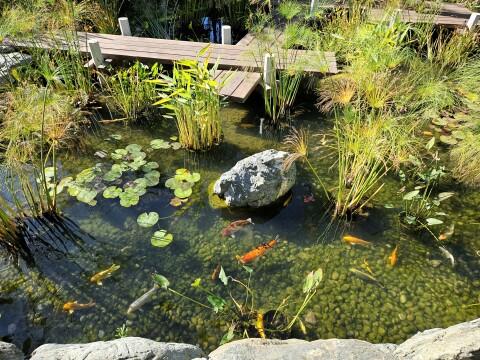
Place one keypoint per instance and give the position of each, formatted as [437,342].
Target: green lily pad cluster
[163,144]
[182,183]
[160,238]
[114,180]
[450,129]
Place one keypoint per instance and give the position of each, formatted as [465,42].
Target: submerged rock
[257,180]
[294,349]
[10,352]
[461,341]
[119,349]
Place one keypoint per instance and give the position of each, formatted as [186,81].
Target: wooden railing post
[124,26]
[268,70]
[96,53]
[226,35]
[473,21]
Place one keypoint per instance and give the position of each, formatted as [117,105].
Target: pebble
[403,298]
[335,275]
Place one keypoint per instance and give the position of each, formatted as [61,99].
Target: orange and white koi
[448,233]
[71,306]
[257,252]
[259,325]
[393,258]
[102,275]
[352,240]
[235,226]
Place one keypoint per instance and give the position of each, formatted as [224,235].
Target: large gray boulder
[134,348]
[461,341]
[10,352]
[294,349]
[257,180]
[9,61]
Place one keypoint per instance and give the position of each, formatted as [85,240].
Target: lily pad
[439,122]
[133,148]
[118,154]
[129,198]
[176,145]
[448,140]
[159,144]
[176,202]
[87,196]
[458,134]
[152,178]
[183,193]
[147,219]
[172,183]
[112,192]
[85,176]
[150,166]
[161,238]
[174,138]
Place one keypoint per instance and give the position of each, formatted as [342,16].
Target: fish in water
[102,275]
[448,233]
[393,258]
[447,254]
[257,252]
[71,306]
[259,325]
[216,272]
[235,226]
[142,300]
[352,240]
[366,277]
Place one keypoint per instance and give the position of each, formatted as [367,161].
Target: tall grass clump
[192,96]
[129,93]
[465,158]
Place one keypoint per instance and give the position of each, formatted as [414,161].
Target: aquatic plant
[192,96]
[465,158]
[182,183]
[128,92]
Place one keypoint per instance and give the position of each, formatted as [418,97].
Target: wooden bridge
[241,63]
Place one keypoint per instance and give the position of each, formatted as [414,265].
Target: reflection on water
[422,291]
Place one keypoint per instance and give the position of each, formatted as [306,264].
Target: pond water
[422,291]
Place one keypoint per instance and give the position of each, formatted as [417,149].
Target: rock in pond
[294,349]
[461,341]
[10,352]
[257,180]
[120,349]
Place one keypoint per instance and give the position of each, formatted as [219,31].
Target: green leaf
[147,219]
[150,166]
[445,195]
[161,238]
[49,172]
[183,193]
[152,178]
[176,145]
[174,138]
[430,143]
[85,176]
[161,280]
[133,148]
[112,192]
[410,195]
[112,175]
[228,336]
[172,183]
[87,196]
[118,154]
[217,302]
[248,269]
[312,280]
[196,283]
[222,276]
[433,221]
[159,144]
[129,198]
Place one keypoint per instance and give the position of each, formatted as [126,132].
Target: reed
[192,97]
[129,93]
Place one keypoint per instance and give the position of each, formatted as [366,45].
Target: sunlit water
[422,291]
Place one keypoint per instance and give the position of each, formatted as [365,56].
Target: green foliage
[182,183]
[465,159]
[129,93]
[161,238]
[192,97]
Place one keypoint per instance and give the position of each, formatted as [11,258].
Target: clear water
[420,292]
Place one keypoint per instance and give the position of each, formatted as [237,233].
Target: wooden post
[226,35]
[473,21]
[312,7]
[268,70]
[124,26]
[96,52]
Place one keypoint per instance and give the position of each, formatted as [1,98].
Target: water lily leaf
[217,302]
[183,193]
[85,176]
[140,182]
[172,183]
[159,144]
[112,175]
[176,202]
[161,280]
[129,198]
[161,238]
[410,195]
[133,148]
[49,172]
[433,221]
[74,189]
[65,182]
[87,196]
[223,277]
[181,171]
[147,219]
[112,192]
[118,154]
[152,178]
[137,163]
[176,145]
[174,138]
[449,140]
[439,122]
[458,134]
[196,177]
[150,166]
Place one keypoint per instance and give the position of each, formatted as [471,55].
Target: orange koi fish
[231,229]
[393,258]
[257,252]
[71,306]
[352,240]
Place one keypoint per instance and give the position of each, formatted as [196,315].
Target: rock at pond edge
[10,352]
[256,181]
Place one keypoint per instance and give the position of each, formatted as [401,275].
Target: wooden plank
[240,84]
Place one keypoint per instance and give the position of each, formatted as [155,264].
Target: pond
[422,291]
